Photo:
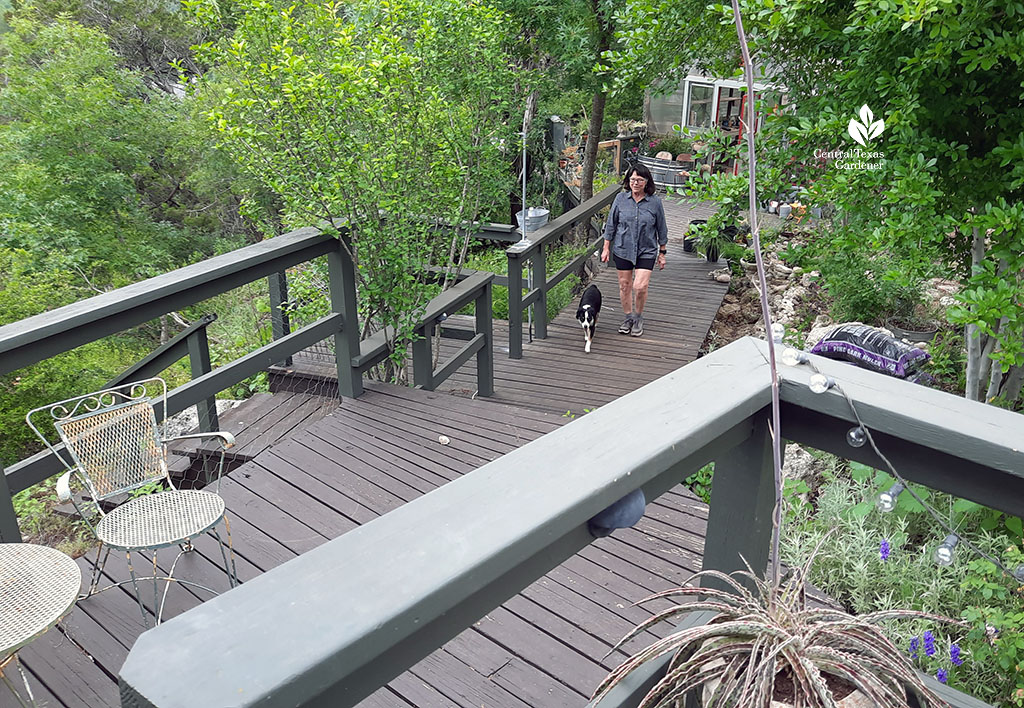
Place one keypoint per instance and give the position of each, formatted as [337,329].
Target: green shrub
[868,289]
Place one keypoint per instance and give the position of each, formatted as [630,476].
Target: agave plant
[755,637]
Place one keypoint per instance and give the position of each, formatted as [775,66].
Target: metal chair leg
[24,679]
[97,570]
[135,585]
[157,608]
[230,569]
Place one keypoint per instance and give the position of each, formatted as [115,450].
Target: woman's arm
[610,228]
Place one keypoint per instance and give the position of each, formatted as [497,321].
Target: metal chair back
[110,436]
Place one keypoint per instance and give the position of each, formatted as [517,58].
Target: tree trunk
[975,359]
[605,33]
[590,153]
[1013,383]
[995,380]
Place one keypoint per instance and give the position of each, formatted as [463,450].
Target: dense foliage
[382,120]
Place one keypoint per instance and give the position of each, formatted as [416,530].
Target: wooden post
[540,282]
[342,277]
[9,531]
[280,325]
[515,306]
[485,357]
[199,361]
[742,500]
[422,359]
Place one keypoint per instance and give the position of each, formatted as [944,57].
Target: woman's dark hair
[642,171]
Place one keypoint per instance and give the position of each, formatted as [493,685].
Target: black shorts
[641,263]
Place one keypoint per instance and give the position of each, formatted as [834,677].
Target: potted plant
[907,318]
[692,233]
[766,646]
[710,242]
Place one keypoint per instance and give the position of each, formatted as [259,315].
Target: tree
[947,79]
[383,119]
[85,167]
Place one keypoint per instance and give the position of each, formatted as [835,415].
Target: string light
[944,553]
[887,499]
[856,437]
[778,332]
[820,383]
[794,357]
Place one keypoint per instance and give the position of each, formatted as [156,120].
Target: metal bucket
[535,218]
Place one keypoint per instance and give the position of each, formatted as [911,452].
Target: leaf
[858,511]
[966,506]
[859,471]
[1014,524]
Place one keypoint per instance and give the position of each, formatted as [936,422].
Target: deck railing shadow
[338,622]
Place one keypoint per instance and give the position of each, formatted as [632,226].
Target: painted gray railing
[331,626]
[536,252]
[36,338]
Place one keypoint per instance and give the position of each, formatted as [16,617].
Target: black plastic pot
[711,254]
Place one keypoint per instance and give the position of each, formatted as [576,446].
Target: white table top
[38,586]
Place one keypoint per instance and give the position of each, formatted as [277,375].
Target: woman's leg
[639,287]
[626,290]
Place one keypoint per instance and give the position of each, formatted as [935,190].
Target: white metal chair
[113,445]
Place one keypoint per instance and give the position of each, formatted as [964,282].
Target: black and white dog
[590,308]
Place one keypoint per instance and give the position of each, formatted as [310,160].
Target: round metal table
[38,586]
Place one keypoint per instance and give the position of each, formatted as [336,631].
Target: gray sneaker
[638,325]
[627,325]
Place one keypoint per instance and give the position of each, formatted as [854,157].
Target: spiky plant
[757,636]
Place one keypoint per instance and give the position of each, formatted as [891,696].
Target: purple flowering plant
[930,659]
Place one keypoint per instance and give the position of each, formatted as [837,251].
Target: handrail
[389,592]
[39,337]
[36,338]
[536,252]
[475,287]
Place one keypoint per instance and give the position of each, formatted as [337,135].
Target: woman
[635,236]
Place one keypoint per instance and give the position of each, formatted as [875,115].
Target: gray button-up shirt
[636,229]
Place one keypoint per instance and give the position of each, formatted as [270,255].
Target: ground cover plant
[868,561]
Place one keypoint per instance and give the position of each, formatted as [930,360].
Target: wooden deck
[305,475]
[544,648]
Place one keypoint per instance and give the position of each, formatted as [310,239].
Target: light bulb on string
[820,383]
[856,436]
[794,357]
[944,553]
[887,499]
[778,332]
[1018,573]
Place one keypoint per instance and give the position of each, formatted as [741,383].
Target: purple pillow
[871,348]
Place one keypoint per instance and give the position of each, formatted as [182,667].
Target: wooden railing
[37,338]
[536,252]
[334,624]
